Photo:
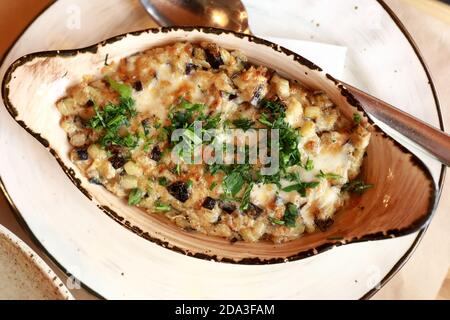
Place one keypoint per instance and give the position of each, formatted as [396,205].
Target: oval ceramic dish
[400,203]
[25,276]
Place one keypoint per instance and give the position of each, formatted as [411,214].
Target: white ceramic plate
[25,276]
[117,263]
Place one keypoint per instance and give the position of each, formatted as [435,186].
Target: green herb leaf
[276,221]
[233,183]
[129,141]
[274,118]
[177,169]
[211,122]
[301,187]
[245,201]
[275,107]
[243,123]
[97,121]
[163,181]
[191,136]
[111,119]
[148,142]
[356,186]
[357,118]
[191,106]
[293,187]
[162,207]
[290,215]
[264,119]
[121,88]
[212,186]
[309,165]
[329,175]
[135,196]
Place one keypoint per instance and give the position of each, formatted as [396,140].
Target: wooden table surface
[429,23]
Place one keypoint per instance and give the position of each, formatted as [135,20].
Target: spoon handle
[435,141]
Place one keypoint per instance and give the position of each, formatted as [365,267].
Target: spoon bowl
[228,14]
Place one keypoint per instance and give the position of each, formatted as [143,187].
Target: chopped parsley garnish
[233,183]
[290,215]
[264,119]
[356,186]
[243,123]
[177,169]
[357,118]
[236,175]
[309,165]
[121,88]
[162,181]
[276,221]
[148,142]
[270,179]
[299,186]
[245,201]
[115,116]
[157,124]
[162,207]
[191,136]
[275,107]
[289,218]
[210,122]
[183,116]
[329,175]
[274,118]
[212,186]
[135,196]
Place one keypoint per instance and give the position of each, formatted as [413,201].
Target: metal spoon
[231,14]
[223,14]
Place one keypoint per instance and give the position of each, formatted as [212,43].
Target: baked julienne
[122,128]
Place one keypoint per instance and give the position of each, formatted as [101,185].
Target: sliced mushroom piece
[156,154]
[82,153]
[257,95]
[213,56]
[227,206]
[179,190]
[190,67]
[137,85]
[253,211]
[209,203]
[95,181]
[117,161]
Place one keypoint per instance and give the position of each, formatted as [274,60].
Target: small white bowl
[24,275]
